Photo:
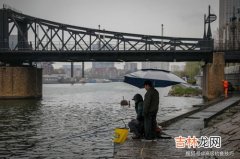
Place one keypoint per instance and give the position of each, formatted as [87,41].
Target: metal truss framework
[35,35]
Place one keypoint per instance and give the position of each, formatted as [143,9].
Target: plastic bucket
[120,135]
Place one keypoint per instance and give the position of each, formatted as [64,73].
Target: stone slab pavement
[189,126]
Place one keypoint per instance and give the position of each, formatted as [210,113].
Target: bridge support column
[20,82]
[4,38]
[213,74]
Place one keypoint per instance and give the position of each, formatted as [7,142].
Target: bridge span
[38,40]
[43,40]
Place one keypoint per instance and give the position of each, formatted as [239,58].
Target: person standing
[150,110]
[225,86]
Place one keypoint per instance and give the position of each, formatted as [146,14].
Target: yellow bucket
[120,135]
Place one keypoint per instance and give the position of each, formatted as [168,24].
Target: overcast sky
[181,18]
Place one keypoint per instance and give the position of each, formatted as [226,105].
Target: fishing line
[83,133]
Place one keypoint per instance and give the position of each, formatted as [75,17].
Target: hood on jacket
[137,98]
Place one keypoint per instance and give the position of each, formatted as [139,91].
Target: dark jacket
[151,101]
[138,106]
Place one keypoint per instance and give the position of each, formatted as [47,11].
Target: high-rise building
[229,24]
[77,70]
[155,65]
[96,65]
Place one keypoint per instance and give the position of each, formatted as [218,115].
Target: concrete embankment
[20,82]
[192,124]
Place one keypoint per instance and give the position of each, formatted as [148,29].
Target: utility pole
[162,36]
[99,43]
[82,69]
[72,70]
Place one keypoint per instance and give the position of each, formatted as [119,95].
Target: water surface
[74,121]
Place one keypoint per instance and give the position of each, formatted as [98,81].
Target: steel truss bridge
[24,38]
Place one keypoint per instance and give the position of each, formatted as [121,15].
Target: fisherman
[150,107]
[137,125]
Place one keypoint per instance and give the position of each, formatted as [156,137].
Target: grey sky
[182,18]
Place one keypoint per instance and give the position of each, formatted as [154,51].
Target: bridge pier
[20,82]
[213,74]
[4,38]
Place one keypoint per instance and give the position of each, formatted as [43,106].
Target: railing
[99,46]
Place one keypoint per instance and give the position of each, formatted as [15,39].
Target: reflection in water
[18,126]
[73,121]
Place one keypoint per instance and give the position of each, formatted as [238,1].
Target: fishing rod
[83,133]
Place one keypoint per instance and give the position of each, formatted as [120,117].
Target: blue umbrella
[159,78]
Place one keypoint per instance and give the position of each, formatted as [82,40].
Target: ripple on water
[73,121]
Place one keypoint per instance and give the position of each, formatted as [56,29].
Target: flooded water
[74,121]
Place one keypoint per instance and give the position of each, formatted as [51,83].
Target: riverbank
[193,125]
[184,91]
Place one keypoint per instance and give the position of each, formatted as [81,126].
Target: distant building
[130,67]
[77,70]
[155,65]
[47,68]
[229,24]
[226,11]
[103,70]
[104,73]
[229,29]
[102,65]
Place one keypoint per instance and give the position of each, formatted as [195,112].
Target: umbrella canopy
[159,78]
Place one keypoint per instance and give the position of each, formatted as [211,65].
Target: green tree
[192,69]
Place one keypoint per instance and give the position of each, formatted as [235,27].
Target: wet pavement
[190,126]
[229,130]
